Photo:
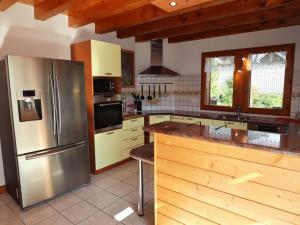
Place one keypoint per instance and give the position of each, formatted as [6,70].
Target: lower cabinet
[157,119]
[108,148]
[191,120]
[230,124]
[132,135]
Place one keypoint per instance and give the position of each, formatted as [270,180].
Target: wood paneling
[2,189]
[5,4]
[204,14]
[102,9]
[131,18]
[225,23]
[181,4]
[82,52]
[224,184]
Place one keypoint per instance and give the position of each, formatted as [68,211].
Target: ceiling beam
[249,18]
[48,8]
[130,18]
[205,14]
[5,4]
[103,9]
[266,25]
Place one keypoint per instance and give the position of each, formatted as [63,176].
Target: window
[255,80]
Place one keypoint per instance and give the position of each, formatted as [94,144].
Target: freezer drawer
[51,173]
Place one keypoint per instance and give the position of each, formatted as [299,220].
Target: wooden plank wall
[202,182]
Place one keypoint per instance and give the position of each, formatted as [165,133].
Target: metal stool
[143,154]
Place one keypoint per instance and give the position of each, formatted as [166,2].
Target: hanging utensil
[142,97]
[159,91]
[166,94]
[149,96]
[153,91]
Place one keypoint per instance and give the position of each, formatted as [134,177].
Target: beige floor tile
[79,212]
[1,201]
[111,171]
[95,178]
[35,214]
[122,175]
[99,219]
[149,174]
[121,189]
[55,220]
[64,201]
[13,220]
[133,180]
[149,187]
[5,212]
[103,199]
[133,197]
[107,182]
[135,219]
[149,206]
[119,206]
[88,191]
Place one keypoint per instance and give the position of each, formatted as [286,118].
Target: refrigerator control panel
[30,107]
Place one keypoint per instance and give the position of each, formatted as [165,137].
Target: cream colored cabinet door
[106,59]
[178,119]
[108,148]
[230,124]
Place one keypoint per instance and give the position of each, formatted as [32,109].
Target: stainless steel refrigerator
[43,127]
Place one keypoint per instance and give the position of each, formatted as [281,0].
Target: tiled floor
[104,202]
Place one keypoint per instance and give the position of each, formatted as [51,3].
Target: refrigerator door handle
[53,152]
[58,103]
[54,109]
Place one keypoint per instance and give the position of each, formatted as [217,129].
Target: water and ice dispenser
[30,106]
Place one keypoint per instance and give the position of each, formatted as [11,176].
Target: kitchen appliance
[157,68]
[43,127]
[104,86]
[107,112]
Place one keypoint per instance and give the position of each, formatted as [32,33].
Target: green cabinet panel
[108,148]
[106,59]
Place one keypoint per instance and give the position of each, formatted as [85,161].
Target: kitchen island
[225,176]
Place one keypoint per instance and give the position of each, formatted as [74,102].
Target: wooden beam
[238,7]
[249,18]
[130,18]
[48,8]
[266,25]
[103,9]
[5,4]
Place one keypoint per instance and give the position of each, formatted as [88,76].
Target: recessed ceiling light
[173,3]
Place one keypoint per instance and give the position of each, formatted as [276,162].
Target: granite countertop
[214,116]
[279,143]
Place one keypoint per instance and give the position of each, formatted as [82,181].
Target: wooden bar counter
[225,176]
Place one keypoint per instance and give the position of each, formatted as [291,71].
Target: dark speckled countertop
[281,143]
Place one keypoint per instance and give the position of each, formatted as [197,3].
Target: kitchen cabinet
[178,119]
[108,148]
[157,119]
[106,59]
[230,124]
[191,120]
[132,135]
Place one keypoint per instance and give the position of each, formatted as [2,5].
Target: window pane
[267,79]
[219,80]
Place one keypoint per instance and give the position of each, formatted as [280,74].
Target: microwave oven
[104,86]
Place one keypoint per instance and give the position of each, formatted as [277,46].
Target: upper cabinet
[106,59]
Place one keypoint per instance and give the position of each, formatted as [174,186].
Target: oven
[107,112]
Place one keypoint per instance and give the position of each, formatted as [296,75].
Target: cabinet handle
[228,123]
[134,120]
[159,116]
[134,129]
[108,74]
[134,139]
[110,133]
[189,118]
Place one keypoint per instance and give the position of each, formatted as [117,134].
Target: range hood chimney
[157,68]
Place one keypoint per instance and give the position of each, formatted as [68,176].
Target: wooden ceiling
[154,19]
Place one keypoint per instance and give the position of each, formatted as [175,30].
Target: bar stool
[143,154]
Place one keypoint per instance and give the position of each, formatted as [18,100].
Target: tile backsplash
[184,94]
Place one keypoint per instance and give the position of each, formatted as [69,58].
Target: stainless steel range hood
[157,68]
